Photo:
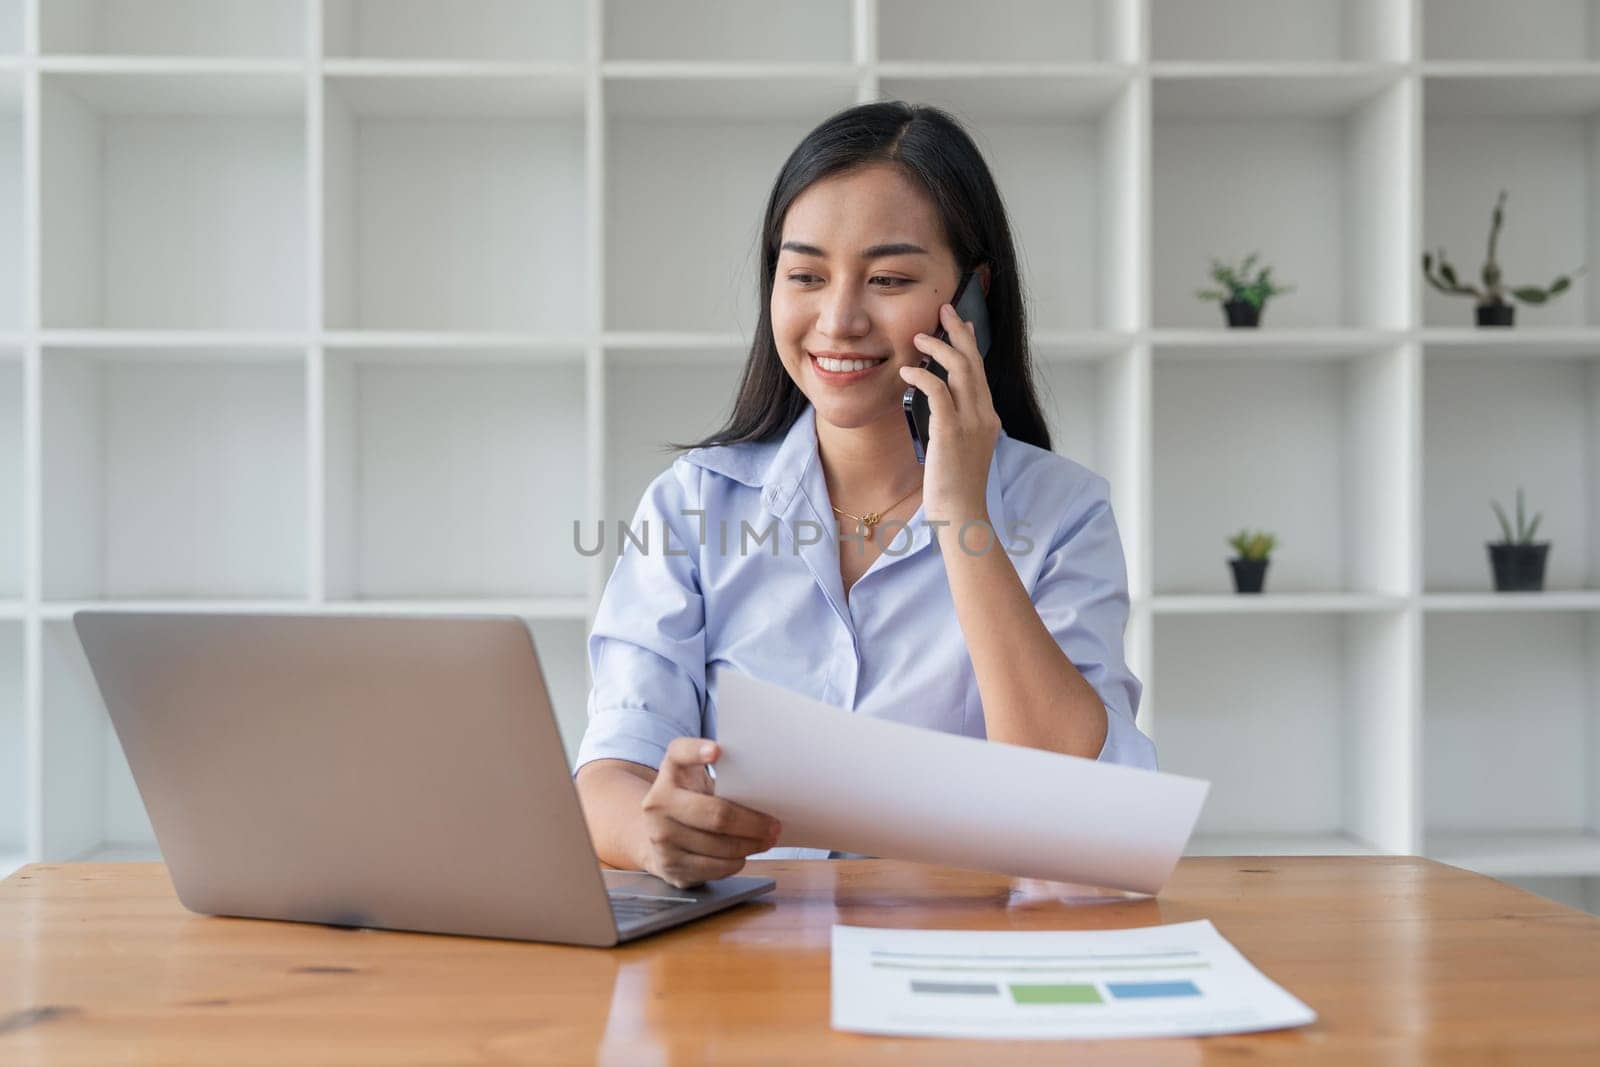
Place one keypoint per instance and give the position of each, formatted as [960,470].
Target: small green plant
[1237,284]
[1523,533]
[1494,291]
[1253,545]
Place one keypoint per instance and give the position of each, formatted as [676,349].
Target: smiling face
[863,268]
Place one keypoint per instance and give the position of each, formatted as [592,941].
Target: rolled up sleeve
[647,648]
[1082,597]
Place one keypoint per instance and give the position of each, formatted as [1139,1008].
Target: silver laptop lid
[358,770]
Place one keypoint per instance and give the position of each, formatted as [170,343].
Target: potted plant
[1517,562]
[1242,297]
[1250,567]
[1493,309]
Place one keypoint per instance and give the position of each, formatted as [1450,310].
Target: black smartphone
[970,305]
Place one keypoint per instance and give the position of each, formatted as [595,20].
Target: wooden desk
[1403,959]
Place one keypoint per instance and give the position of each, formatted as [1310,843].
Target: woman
[984,593]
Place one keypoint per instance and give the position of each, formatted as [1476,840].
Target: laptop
[368,771]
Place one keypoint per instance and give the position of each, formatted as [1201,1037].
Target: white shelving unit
[356,305]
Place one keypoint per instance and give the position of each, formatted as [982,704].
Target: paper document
[855,783]
[1159,981]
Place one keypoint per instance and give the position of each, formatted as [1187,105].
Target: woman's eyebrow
[898,248]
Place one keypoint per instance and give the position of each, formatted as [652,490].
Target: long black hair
[933,150]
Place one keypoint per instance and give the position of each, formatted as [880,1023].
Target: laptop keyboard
[632,907]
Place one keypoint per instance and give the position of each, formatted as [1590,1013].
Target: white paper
[855,783]
[1179,980]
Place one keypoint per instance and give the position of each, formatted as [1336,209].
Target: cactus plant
[1253,545]
[1494,291]
[1523,533]
[1237,285]
[1517,563]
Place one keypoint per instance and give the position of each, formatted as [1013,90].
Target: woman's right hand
[691,835]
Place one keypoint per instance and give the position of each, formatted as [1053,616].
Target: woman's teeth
[846,364]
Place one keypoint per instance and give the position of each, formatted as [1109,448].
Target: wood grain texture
[1405,961]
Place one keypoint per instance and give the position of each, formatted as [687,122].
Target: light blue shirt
[760,593]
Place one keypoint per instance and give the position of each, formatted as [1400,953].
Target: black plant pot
[1242,313]
[1518,568]
[1497,314]
[1249,574]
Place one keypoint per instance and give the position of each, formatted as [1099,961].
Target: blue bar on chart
[1136,990]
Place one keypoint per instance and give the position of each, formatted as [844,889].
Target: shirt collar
[795,456]
[775,466]
[779,467]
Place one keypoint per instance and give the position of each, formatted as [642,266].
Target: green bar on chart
[1055,994]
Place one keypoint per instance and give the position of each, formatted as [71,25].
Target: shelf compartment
[1490,425]
[1314,706]
[455,203]
[1089,403]
[91,806]
[453,474]
[174,201]
[1027,31]
[652,398]
[15,752]
[12,563]
[1511,742]
[1276,30]
[243,28]
[1063,150]
[1304,448]
[1487,29]
[1261,149]
[1091,407]
[13,268]
[515,30]
[178,474]
[822,31]
[11,18]
[1536,138]
[670,216]
[563,648]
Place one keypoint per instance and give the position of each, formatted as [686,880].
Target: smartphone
[970,305]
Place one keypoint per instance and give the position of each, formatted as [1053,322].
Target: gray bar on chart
[978,988]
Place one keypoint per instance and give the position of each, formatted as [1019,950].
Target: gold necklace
[865,524]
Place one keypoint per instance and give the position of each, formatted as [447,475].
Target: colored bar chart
[1179,979]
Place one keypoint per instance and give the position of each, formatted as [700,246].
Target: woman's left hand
[963,427]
